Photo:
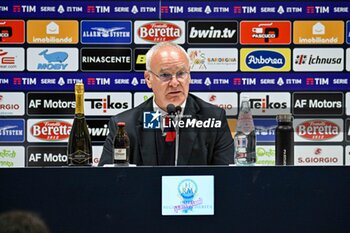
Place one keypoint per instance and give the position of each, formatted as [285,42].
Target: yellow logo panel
[52,31]
[265,60]
[318,32]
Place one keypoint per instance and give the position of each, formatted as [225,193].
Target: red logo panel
[11,31]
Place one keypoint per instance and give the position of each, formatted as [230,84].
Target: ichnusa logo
[154,120]
[265,60]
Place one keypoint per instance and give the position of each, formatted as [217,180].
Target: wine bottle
[121,145]
[79,144]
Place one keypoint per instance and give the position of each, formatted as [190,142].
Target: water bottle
[245,138]
[284,140]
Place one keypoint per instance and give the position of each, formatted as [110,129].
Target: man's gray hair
[155,48]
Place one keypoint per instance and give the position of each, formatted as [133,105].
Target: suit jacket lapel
[147,137]
[188,137]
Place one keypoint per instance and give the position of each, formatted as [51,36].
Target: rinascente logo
[318,59]
[12,103]
[52,59]
[42,156]
[151,32]
[106,103]
[48,130]
[318,130]
[212,32]
[53,103]
[213,59]
[106,59]
[265,60]
[318,103]
[11,31]
[106,32]
[11,59]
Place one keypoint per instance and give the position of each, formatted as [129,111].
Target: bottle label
[79,157]
[120,154]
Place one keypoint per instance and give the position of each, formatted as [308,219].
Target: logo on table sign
[51,130]
[188,192]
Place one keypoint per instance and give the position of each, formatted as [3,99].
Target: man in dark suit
[167,74]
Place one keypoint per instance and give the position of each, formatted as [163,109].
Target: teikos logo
[11,59]
[52,31]
[318,130]
[48,130]
[11,31]
[208,59]
[140,59]
[106,104]
[42,156]
[105,32]
[12,104]
[212,32]
[265,60]
[268,103]
[107,60]
[265,32]
[52,59]
[226,101]
[151,32]
[318,32]
[320,59]
[318,155]
[11,130]
[318,103]
[53,103]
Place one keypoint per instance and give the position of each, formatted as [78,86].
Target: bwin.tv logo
[152,120]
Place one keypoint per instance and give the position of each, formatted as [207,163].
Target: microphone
[171,109]
[178,110]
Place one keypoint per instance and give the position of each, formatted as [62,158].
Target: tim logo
[151,120]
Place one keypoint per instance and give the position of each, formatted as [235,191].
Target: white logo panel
[348,59]
[12,104]
[140,97]
[347,101]
[320,59]
[213,59]
[318,155]
[11,59]
[347,155]
[49,130]
[106,104]
[12,156]
[227,101]
[52,59]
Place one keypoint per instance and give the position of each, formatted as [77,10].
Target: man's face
[168,60]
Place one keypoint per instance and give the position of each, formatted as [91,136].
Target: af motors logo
[265,32]
[11,130]
[226,101]
[48,130]
[320,59]
[318,130]
[268,103]
[11,31]
[54,103]
[106,103]
[106,59]
[318,32]
[212,32]
[11,59]
[106,32]
[52,31]
[52,59]
[12,103]
[265,60]
[213,59]
[46,156]
[318,155]
[151,32]
[318,103]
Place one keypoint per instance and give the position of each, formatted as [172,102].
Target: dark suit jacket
[196,146]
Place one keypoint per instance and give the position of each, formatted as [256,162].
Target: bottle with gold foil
[79,144]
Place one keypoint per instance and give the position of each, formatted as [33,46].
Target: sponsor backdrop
[290,57]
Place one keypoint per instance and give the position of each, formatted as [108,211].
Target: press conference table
[128,199]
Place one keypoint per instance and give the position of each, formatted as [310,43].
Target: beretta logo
[98,129]
[318,103]
[53,103]
[320,59]
[106,59]
[318,130]
[11,103]
[52,59]
[150,32]
[107,104]
[212,32]
[265,59]
[11,59]
[41,156]
[105,32]
[49,130]
[11,31]
[140,59]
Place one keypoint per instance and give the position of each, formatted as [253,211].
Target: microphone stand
[177,131]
